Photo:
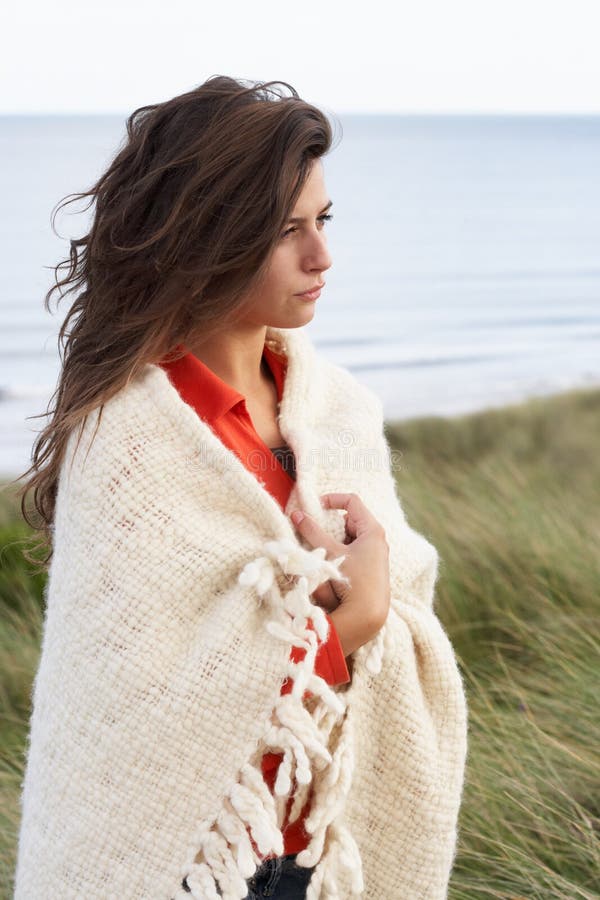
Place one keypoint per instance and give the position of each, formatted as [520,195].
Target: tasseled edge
[222,851]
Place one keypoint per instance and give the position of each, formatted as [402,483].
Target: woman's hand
[326,597]
[366,600]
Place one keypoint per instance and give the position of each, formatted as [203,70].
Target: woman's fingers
[365,566]
[314,534]
[326,594]
[358,518]
[326,597]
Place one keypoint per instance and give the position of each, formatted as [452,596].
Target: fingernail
[297,516]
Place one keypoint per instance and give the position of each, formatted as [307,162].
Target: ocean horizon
[465,265]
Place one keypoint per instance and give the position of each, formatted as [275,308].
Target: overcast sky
[417,56]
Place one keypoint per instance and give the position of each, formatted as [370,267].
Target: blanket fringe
[222,851]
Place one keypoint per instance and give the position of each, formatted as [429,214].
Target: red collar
[208,394]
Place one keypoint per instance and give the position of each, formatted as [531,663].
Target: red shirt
[224,409]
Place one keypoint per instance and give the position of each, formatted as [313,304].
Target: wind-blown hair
[186,218]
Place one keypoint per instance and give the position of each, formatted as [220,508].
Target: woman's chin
[306,311]
[302,313]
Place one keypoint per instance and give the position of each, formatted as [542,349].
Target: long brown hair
[186,218]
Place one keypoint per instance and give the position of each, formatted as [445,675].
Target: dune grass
[510,499]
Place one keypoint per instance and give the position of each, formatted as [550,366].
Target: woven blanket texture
[176,589]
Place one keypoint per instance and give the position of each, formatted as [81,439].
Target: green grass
[510,499]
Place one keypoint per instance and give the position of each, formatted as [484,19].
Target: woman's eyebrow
[302,219]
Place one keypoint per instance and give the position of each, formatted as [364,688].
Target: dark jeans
[279,878]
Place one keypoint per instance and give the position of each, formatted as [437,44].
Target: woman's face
[298,263]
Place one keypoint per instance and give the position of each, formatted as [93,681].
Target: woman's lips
[310,295]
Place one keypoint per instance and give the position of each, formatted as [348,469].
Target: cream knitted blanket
[176,588]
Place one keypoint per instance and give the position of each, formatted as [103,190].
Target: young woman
[233,699]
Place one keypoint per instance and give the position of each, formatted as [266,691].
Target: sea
[465,249]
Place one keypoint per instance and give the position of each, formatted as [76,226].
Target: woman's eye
[324,218]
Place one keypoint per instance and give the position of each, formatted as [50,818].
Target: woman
[230,701]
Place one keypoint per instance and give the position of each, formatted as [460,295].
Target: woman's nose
[319,257]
